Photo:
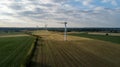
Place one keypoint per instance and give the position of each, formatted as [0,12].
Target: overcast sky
[78,13]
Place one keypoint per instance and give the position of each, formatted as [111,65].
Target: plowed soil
[53,51]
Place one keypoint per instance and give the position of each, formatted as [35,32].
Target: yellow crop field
[53,51]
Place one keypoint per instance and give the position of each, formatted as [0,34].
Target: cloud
[87,2]
[113,2]
[39,12]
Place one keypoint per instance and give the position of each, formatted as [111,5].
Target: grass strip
[113,39]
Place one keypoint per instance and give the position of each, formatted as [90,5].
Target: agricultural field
[53,51]
[14,51]
[115,38]
[103,33]
[12,34]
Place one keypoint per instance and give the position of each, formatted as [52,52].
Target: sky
[78,13]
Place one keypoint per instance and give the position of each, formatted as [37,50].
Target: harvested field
[52,51]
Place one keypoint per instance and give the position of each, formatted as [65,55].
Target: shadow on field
[35,50]
[36,64]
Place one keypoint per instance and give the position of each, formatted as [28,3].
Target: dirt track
[52,51]
[18,35]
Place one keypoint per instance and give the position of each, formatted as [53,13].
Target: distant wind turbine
[46,27]
[37,27]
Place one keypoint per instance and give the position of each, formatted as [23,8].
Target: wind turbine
[65,30]
[46,27]
[37,27]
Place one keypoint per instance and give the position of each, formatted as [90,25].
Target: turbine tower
[65,30]
[46,27]
[37,27]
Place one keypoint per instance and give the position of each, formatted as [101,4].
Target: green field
[113,39]
[11,33]
[15,50]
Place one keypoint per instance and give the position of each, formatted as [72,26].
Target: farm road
[18,35]
[52,51]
